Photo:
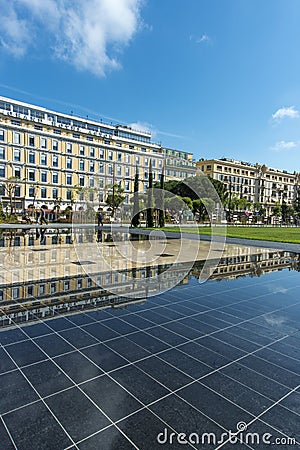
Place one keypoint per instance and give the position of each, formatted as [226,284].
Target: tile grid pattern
[160,347]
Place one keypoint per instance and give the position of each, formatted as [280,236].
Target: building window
[31,141]
[43,192]
[110,156]
[55,178]
[31,191]
[119,170]
[43,159]
[127,172]
[91,197]
[2,171]
[101,183]
[92,152]
[69,147]
[2,135]
[69,179]
[31,158]
[17,191]
[30,290]
[127,185]
[101,153]
[81,150]
[131,147]
[42,289]
[54,145]
[54,193]
[17,173]
[69,163]
[2,153]
[81,180]
[55,161]
[91,182]
[17,155]
[81,165]
[17,138]
[106,142]
[16,293]
[69,195]
[110,169]
[92,167]
[101,168]
[66,285]
[76,135]
[53,288]
[43,143]
[137,159]
[44,177]
[55,131]
[31,175]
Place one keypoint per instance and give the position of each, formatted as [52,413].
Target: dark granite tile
[34,427]
[188,365]
[167,336]
[15,391]
[256,381]
[183,330]
[145,437]
[236,341]
[286,349]
[111,398]
[139,384]
[47,378]
[12,336]
[119,326]
[214,406]
[153,317]
[77,413]
[53,345]
[137,321]
[185,419]
[77,367]
[204,355]
[6,443]
[281,360]
[25,353]
[270,370]
[283,420]
[164,373]
[241,395]
[292,402]
[147,342]
[259,435]
[59,324]
[81,319]
[109,439]
[128,349]
[223,348]
[244,332]
[100,331]
[198,323]
[6,363]
[104,357]
[38,329]
[77,337]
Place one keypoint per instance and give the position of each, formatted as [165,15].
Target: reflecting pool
[85,364]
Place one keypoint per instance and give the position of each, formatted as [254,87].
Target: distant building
[53,156]
[253,182]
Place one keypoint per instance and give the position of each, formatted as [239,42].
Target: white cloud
[284,145]
[143,126]
[202,39]
[88,34]
[289,112]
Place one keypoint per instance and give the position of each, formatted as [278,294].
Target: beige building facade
[52,157]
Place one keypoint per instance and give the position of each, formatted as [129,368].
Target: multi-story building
[52,156]
[253,182]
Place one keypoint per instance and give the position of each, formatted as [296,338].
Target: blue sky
[219,78]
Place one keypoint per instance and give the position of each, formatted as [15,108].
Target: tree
[161,213]
[115,198]
[188,202]
[135,221]
[10,189]
[149,211]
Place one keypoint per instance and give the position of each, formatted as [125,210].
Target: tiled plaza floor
[200,360]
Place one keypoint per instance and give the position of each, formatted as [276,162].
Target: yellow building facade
[52,157]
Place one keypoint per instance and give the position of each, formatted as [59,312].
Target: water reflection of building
[253,265]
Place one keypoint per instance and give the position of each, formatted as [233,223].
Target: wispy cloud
[143,126]
[88,34]
[284,146]
[289,112]
[203,39]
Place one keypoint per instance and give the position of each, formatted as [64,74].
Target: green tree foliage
[161,211]
[149,211]
[135,221]
[116,197]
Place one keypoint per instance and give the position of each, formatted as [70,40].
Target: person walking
[43,217]
[100,218]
